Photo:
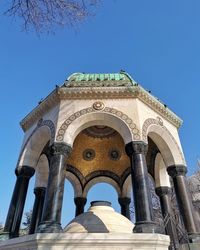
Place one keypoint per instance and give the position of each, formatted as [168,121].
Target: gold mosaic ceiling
[99,148]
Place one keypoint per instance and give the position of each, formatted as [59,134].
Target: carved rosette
[98,105]
[60,148]
[177,170]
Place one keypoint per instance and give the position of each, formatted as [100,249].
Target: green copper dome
[100,80]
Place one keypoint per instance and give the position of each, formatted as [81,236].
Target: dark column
[164,194]
[136,150]
[37,208]
[124,203]
[54,194]
[16,208]
[178,172]
[80,204]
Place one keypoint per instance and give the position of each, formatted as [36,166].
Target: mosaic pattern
[158,122]
[114,154]
[129,122]
[88,154]
[100,132]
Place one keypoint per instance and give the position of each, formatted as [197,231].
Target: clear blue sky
[156,42]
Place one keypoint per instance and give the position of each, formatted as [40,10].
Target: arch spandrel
[166,143]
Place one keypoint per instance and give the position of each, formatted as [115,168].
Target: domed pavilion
[102,128]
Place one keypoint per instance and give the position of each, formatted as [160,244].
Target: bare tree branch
[45,15]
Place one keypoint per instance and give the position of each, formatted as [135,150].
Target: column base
[194,237]
[4,236]
[146,227]
[49,227]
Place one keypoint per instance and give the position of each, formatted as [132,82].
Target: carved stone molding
[124,201]
[121,92]
[163,190]
[40,110]
[129,122]
[136,147]
[98,105]
[148,122]
[60,148]
[177,170]
[158,122]
[128,92]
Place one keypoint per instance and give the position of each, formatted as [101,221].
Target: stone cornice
[43,107]
[122,92]
[62,93]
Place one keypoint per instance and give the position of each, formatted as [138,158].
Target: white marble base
[94,241]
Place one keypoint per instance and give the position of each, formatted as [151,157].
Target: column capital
[177,170]
[80,201]
[25,171]
[163,190]
[60,148]
[124,201]
[136,147]
[39,190]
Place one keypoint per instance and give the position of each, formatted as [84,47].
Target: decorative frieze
[158,122]
[44,106]
[128,92]
[132,126]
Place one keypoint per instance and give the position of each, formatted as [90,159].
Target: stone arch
[101,179]
[160,172]
[32,149]
[42,172]
[90,116]
[78,191]
[164,140]
[127,187]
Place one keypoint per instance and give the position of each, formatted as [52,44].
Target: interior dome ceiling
[99,131]
[99,148]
